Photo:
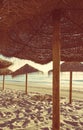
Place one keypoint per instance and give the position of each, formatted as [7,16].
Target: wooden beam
[26,83]
[3,81]
[56,73]
[70,94]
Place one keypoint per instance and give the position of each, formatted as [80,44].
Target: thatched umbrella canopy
[25,70]
[35,36]
[3,68]
[14,11]
[22,32]
[4,63]
[5,72]
[70,67]
[38,27]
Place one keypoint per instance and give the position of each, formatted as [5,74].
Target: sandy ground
[33,87]
[19,111]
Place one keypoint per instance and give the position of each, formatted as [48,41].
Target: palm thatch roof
[24,70]
[4,63]
[72,66]
[27,28]
[14,11]
[5,71]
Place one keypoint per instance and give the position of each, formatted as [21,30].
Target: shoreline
[43,89]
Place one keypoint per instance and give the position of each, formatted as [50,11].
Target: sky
[17,63]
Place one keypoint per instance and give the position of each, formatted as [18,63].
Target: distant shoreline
[43,89]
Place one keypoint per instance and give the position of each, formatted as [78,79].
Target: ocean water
[46,80]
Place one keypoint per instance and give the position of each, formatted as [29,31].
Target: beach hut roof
[5,71]
[4,63]
[24,69]
[27,28]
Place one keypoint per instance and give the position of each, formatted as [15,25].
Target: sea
[45,80]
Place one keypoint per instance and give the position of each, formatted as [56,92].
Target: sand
[19,111]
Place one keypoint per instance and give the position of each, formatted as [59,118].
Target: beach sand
[19,111]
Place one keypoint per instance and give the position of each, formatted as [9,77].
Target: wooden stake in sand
[3,81]
[56,73]
[70,94]
[26,83]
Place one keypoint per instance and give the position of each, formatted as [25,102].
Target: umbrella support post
[26,83]
[70,95]
[56,74]
[3,81]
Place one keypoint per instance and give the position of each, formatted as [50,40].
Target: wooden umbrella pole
[56,73]
[26,83]
[70,94]
[3,81]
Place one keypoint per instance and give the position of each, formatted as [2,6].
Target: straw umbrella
[42,52]
[13,11]
[35,34]
[25,70]
[3,68]
[71,67]
[42,28]
[4,63]
[4,72]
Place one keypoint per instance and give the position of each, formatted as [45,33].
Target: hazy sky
[17,63]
